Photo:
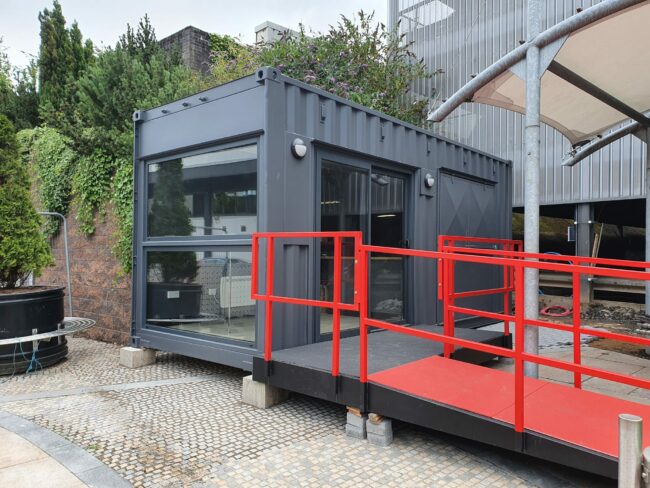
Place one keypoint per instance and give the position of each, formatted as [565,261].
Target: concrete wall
[194,46]
[98,290]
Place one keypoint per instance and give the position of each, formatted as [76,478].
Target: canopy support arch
[498,87]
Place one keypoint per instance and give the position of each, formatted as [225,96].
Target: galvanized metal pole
[630,432]
[645,469]
[67,255]
[531,180]
[647,217]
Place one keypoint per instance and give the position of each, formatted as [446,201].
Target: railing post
[519,347]
[446,317]
[268,325]
[336,319]
[577,377]
[630,432]
[363,312]
[451,302]
[506,293]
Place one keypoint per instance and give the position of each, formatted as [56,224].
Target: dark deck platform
[307,369]
[411,382]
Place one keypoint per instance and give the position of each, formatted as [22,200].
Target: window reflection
[213,193]
[189,291]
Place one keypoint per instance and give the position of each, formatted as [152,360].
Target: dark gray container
[470,195]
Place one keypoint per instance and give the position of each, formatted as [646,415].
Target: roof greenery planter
[23,252]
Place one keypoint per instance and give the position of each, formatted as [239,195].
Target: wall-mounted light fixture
[298,148]
[429,180]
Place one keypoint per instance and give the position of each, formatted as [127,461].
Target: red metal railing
[335,304]
[446,268]
[508,256]
[518,261]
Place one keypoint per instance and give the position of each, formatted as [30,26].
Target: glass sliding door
[387,228]
[343,206]
[372,201]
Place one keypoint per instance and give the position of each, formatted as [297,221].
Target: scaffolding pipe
[67,255]
[531,182]
[630,432]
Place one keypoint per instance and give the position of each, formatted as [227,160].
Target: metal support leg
[531,177]
[584,217]
[630,431]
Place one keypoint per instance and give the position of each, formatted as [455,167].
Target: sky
[103,21]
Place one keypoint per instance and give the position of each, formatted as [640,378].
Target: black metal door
[467,207]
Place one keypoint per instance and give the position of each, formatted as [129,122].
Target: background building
[193,45]
[461,38]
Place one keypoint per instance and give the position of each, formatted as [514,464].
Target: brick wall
[98,290]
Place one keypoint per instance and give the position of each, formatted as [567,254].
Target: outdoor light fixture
[384,216]
[429,180]
[298,148]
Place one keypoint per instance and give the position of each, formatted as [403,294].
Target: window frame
[229,239]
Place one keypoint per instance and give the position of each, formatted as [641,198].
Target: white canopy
[599,78]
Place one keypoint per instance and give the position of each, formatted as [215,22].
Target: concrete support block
[261,395]
[379,430]
[355,425]
[134,357]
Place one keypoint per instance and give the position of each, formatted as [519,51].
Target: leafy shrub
[357,59]
[23,249]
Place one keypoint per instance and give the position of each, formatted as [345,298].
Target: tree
[63,57]
[25,110]
[7,96]
[356,59]
[18,96]
[23,249]
[136,73]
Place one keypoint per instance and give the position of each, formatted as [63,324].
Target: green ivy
[53,162]
[91,183]
[122,199]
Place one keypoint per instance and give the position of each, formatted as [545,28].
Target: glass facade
[200,287]
[201,292]
[217,194]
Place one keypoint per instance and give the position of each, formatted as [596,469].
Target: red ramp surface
[582,418]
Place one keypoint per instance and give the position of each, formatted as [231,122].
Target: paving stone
[200,434]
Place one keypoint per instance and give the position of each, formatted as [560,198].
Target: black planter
[31,311]
[173,300]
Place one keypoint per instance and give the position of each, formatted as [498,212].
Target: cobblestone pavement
[180,422]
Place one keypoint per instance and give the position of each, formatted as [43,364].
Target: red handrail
[447,272]
[509,256]
[269,297]
[516,261]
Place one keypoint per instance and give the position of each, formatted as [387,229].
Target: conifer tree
[23,249]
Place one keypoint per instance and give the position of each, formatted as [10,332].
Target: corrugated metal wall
[461,38]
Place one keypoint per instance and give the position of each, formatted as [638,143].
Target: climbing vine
[52,162]
[122,199]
